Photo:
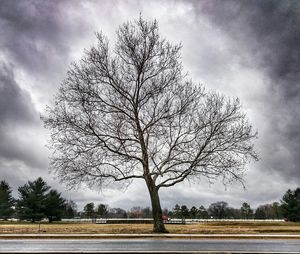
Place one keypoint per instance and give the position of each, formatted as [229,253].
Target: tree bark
[158,224]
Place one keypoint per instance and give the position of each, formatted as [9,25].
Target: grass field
[197,228]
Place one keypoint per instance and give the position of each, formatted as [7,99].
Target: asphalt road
[153,245]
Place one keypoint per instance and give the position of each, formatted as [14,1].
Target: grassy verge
[197,228]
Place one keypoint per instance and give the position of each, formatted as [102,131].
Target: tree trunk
[158,224]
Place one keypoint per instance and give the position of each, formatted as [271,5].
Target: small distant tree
[54,206]
[270,211]
[166,212]
[218,210]
[146,212]
[233,213]
[202,212]
[102,210]
[117,213]
[131,113]
[246,211]
[32,196]
[185,213]
[260,213]
[70,210]
[193,212]
[6,201]
[135,212]
[290,204]
[177,211]
[277,210]
[89,210]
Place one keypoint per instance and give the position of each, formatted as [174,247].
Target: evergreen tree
[37,201]
[6,201]
[202,212]
[246,211]
[31,204]
[70,210]
[54,206]
[184,212]
[89,209]
[290,204]
[177,211]
[277,210]
[233,213]
[260,213]
[102,210]
[193,212]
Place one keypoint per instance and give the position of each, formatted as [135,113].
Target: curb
[163,236]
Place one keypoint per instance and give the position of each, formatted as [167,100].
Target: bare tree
[130,113]
[218,210]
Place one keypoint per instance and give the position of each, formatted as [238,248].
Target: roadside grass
[197,228]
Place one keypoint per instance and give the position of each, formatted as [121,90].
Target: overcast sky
[246,48]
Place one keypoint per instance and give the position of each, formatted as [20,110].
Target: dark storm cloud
[269,32]
[270,29]
[34,40]
[15,104]
[31,33]
[17,113]
[38,40]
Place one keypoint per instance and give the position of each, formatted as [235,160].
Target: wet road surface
[149,245]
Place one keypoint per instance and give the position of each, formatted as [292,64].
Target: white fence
[149,220]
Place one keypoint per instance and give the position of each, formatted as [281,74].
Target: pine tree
[6,201]
[290,204]
[89,210]
[246,211]
[31,204]
[37,201]
[70,209]
[54,206]
[102,210]
[194,212]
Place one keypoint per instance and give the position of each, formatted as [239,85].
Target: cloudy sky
[246,48]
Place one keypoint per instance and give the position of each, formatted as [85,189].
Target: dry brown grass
[197,228]
[239,228]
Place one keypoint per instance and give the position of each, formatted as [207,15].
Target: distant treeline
[39,201]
